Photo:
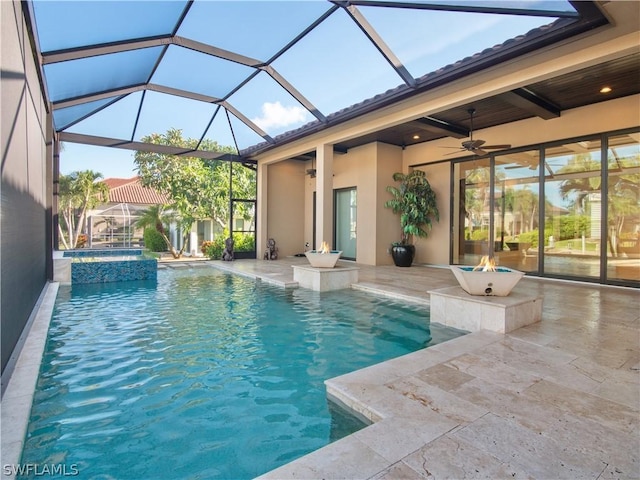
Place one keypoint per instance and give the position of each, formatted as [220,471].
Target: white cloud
[275,115]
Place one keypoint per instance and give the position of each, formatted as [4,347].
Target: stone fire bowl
[323,260]
[476,282]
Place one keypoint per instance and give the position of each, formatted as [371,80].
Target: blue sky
[329,75]
[110,162]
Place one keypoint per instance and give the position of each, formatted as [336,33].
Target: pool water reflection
[203,374]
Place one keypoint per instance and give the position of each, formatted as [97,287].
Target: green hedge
[241,243]
[154,241]
[529,237]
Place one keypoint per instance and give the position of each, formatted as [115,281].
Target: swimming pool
[204,374]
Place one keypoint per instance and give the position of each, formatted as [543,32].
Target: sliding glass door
[345,218]
[472,205]
[517,199]
[567,209]
[573,232]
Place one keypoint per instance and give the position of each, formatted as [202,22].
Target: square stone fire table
[454,307]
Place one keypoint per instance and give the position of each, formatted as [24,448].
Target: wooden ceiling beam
[531,102]
[433,125]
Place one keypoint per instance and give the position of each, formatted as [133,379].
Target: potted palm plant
[415,201]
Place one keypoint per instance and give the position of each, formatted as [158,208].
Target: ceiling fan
[477,147]
[311,171]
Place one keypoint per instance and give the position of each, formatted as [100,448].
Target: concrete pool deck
[556,399]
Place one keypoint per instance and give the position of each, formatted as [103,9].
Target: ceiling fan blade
[512,167]
[496,147]
[479,151]
[457,151]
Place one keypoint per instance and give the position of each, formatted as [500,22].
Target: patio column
[324,195]
[261,213]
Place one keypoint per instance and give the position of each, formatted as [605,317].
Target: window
[567,209]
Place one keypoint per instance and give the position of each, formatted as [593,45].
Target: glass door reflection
[345,204]
[623,212]
[517,210]
[472,202]
[573,232]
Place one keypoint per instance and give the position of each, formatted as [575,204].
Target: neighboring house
[113,223]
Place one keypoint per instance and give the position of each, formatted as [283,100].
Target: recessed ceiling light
[605,90]
[416,137]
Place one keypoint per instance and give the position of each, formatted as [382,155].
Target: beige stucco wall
[285,198]
[435,248]
[368,169]
[387,223]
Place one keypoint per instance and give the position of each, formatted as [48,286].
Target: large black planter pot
[403,255]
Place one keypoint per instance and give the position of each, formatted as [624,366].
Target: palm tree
[525,204]
[623,192]
[78,192]
[156,217]
[587,180]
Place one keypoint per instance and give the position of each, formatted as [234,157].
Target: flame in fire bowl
[498,282]
[323,258]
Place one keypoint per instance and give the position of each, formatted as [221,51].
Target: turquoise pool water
[204,375]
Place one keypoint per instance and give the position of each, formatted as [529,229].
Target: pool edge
[393,415]
[17,399]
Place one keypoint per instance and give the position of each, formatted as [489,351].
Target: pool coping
[399,425]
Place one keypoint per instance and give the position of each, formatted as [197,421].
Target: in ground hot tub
[101,266]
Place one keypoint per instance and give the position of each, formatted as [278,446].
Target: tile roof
[130,190]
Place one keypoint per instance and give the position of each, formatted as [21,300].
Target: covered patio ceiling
[545,99]
[256,75]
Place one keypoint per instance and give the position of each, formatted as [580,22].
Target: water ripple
[203,374]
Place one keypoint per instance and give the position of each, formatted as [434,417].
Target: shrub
[213,250]
[480,235]
[567,227]
[242,242]
[529,237]
[205,246]
[82,240]
[154,241]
